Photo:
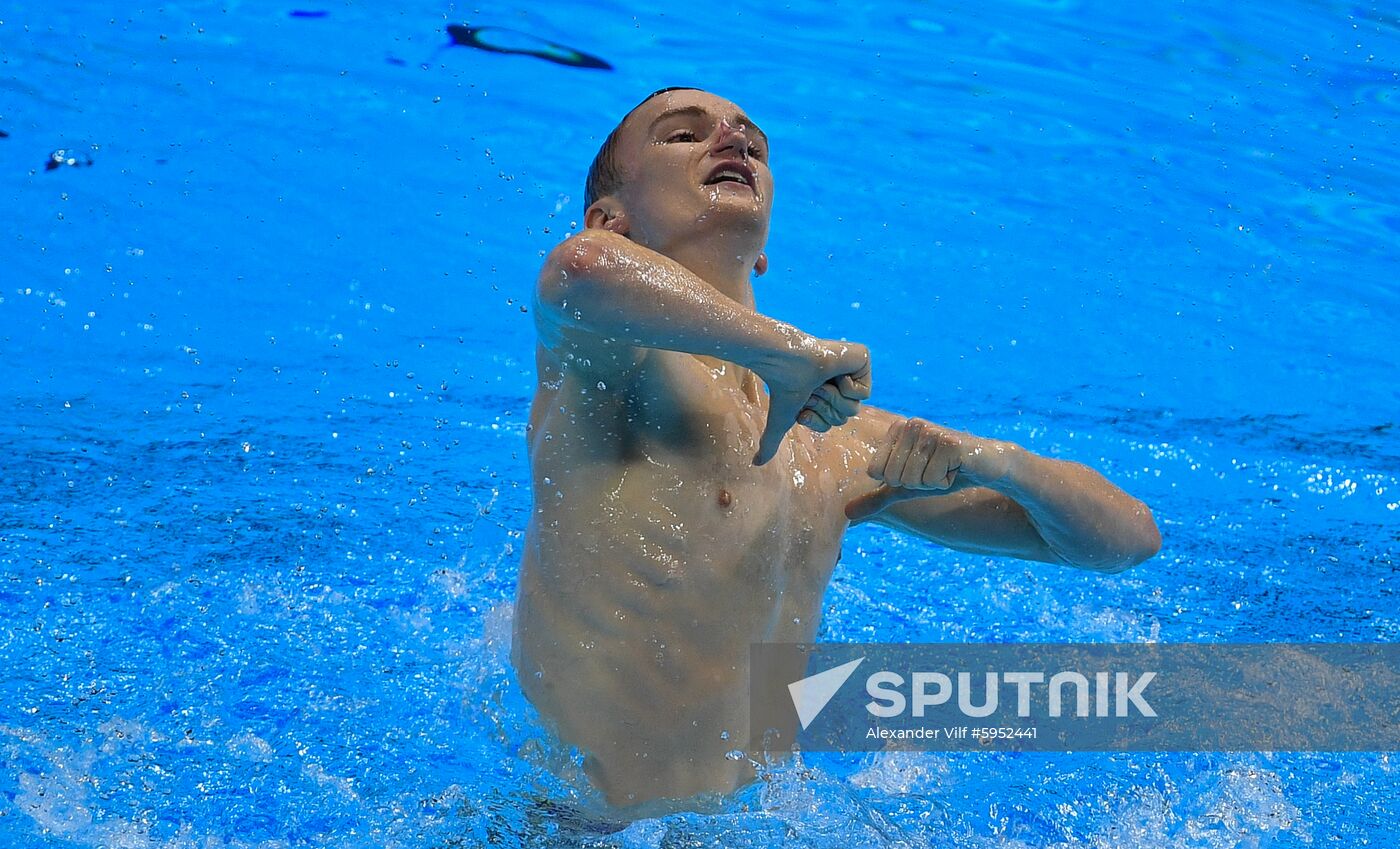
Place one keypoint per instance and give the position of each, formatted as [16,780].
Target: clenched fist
[818,383]
[918,458]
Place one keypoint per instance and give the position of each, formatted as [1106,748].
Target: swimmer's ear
[761,267]
[606,214]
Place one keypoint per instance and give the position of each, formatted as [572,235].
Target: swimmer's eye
[689,136]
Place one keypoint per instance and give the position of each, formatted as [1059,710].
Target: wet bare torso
[657,553]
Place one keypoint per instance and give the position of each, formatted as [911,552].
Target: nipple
[725,499]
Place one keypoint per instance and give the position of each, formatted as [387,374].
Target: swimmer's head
[681,159]
[603,175]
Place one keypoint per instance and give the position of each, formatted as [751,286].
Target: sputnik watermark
[1122,690]
[812,693]
[1190,697]
[889,700]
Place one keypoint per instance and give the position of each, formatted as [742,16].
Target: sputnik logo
[812,693]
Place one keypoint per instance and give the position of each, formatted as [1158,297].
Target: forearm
[1086,520]
[605,285]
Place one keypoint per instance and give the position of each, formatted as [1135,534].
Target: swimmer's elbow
[1151,539]
[1142,543]
[1147,539]
[574,270]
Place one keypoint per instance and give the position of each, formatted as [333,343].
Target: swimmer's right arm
[611,290]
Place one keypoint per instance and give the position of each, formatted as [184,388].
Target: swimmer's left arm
[995,497]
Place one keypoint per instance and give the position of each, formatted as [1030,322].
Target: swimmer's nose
[731,139]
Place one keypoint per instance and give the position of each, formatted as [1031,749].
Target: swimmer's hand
[820,385]
[918,458]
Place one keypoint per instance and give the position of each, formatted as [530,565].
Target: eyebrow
[699,111]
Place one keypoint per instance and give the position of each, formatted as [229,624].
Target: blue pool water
[267,360]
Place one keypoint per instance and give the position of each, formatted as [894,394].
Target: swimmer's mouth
[732,171]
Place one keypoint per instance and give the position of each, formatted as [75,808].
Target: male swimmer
[678,513]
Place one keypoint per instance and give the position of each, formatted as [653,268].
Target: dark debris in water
[65,157]
[498,40]
[308,13]
[4,135]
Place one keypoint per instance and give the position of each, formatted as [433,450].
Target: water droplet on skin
[734,755]
[724,735]
[602,385]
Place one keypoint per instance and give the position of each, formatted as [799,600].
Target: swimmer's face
[689,160]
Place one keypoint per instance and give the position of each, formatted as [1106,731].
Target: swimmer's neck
[720,259]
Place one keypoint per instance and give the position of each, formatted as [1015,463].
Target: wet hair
[605,175]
